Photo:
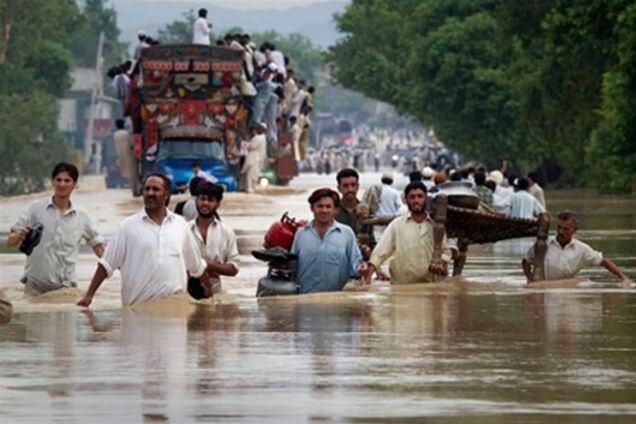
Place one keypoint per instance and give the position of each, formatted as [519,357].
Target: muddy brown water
[487,349]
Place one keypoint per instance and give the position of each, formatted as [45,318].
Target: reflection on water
[448,353]
[490,350]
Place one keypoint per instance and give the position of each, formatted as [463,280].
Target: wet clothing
[485,195]
[523,205]
[51,265]
[410,244]
[325,264]
[537,192]
[153,259]
[201,32]
[219,245]
[566,262]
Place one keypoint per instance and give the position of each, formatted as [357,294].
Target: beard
[417,208]
[208,215]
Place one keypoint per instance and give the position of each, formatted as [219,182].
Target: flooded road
[487,349]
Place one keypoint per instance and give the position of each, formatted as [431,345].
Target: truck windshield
[191,149]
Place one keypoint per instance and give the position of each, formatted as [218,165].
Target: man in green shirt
[484,193]
[348,186]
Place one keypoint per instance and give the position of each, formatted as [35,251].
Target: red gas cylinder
[281,233]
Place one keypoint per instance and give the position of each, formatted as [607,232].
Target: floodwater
[481,350]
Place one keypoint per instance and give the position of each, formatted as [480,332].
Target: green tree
[502,78]
[178,31]
[96,16]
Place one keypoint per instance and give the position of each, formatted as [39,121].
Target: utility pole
[89,142]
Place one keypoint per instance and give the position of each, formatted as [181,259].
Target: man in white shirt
[522,204]
[256,154]
[202,29]
[153,249]
[409,241]
[215,240]
[534,188]
[390,202]
[51,263]
[566,256]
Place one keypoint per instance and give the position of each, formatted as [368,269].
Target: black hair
[164,178]
[480,178]
[193,187]
[567,215]
[119,123]
[347,173]
[491,185]
[456,176]
[209,189]
[196,163]
[65,167]
[322,193]
[386,180]
[311,89]
[416,176]
[414,185]
[534,176]
[522,184]
[203,13]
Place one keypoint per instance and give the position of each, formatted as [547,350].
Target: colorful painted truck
[184,103]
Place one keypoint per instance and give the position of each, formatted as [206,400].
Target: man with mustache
[566,255]
[153,249]
[328,254]
[215,240]
[409,241]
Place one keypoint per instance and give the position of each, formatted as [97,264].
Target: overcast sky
[240,4]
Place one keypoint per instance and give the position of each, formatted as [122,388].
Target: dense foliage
[542,83]
[40,41]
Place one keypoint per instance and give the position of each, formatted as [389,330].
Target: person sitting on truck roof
[202,29]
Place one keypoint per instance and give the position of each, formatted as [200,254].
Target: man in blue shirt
[328,254]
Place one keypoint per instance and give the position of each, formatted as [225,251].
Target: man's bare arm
[17,236]
[216,268]
[99,250]
[98,278]
[614,269]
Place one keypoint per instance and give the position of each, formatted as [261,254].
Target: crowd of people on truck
[276,99]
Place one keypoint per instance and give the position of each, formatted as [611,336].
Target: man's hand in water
[627,283]
[437,268]
[85,301]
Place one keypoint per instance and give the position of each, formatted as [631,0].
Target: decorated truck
[185,100]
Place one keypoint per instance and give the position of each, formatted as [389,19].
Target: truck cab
[176,157]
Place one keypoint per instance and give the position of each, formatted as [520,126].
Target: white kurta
[153,259]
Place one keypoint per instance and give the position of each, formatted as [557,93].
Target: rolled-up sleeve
[355,256]
[91,234]
[385,247]
[115,252]
[232,250]
[194,263]
[24,219]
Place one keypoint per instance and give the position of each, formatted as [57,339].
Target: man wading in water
[154,250]
[216,242]
[328,254]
